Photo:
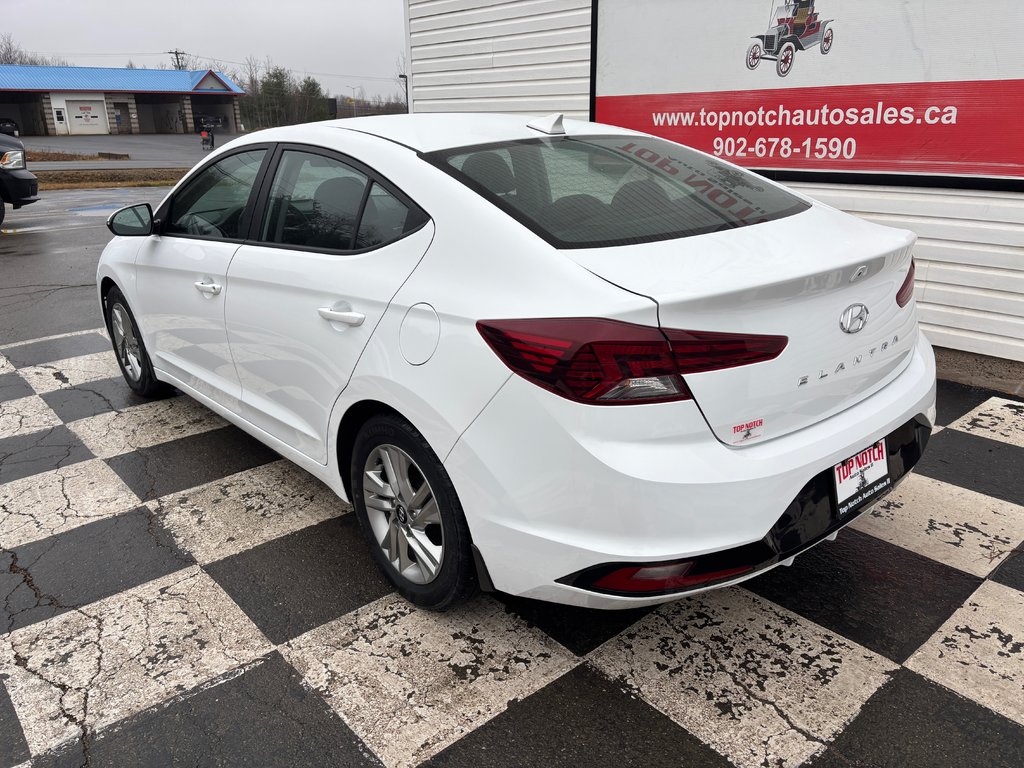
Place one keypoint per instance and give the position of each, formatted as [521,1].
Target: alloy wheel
[126,342]
[403,514]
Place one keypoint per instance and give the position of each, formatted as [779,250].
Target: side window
[385,218]
[314,202]
[213,203]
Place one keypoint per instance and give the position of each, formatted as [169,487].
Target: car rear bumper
[19,188]
[552,489]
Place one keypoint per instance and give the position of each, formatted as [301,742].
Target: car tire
[786,59]
[2,209]
[132,358]
[417,531]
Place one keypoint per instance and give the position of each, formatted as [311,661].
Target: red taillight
[662,578]
[609,362]
[906,291]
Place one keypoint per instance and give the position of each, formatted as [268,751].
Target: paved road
[146,151]
[173,593]
[48,255]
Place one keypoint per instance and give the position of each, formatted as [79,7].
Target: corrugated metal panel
[527,57]
[15,77]
[970,259]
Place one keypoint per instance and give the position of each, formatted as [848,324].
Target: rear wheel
[826,41]
[408,510]
[131,353]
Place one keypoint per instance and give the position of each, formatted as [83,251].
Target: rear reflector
[906,291]
[609,362]
[656,578]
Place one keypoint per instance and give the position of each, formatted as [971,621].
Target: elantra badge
[854,318]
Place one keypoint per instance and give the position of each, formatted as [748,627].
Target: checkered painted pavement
[174,593]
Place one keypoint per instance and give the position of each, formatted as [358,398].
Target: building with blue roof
[51,101]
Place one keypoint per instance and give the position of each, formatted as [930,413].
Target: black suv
[17,186]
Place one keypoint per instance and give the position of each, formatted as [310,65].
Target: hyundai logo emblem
[854,318]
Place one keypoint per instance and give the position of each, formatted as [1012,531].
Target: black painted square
[298,582]
[13,747]
[1011,571]
[25,455]
[884,597]
[93,398]
[986,466]
[189,461]
[913,723]
[954,400]
[13,387]
[40,352]
[57,574]
[581,719]
[263,717]
[581,630]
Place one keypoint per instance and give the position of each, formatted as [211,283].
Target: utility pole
[177,58]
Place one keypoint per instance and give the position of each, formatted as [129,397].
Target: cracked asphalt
[174,593]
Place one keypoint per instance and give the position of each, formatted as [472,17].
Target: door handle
[336,316]
[210,289]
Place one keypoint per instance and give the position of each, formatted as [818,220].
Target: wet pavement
[175,593]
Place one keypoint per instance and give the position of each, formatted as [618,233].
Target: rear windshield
[589,192]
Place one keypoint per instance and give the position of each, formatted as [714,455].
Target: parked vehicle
[18,187]
[792,27]
[9,127]
[606,382]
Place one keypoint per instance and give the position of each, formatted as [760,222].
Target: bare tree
[12,53]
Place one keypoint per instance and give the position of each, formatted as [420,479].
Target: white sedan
[552,358]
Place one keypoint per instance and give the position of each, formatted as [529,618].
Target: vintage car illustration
[792,27]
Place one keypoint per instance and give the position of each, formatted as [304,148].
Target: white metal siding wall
[970,259]
[524,56]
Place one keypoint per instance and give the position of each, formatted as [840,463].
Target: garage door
[87,117]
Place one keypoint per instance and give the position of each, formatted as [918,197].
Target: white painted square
[64,374]
[997,419]
[116,432]
[25,415]
[94,666]
[958,527]
[50,503]
[758,683]
[246,509]
[411,682]
[979,651]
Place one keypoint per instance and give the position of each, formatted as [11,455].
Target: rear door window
[586,192]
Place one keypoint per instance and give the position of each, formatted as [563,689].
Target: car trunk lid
[804,277]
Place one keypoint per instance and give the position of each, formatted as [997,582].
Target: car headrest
[491,171]
[640,197]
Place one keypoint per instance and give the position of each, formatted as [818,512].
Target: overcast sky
[342,43]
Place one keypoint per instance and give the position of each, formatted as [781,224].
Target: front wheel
[826,41]
[754,53]
[2,209]
[787,56]
[131,353]
[410,513]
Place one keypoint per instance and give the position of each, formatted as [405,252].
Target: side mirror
[135,220]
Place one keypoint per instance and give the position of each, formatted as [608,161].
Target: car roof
[427,132]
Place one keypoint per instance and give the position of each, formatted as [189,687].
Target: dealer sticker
[861,477]
[748,430]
